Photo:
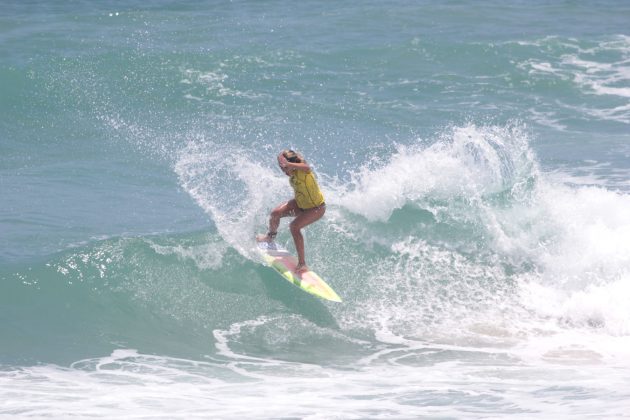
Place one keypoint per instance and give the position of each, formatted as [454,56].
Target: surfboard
[284,263]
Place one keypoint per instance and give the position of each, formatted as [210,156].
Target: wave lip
[466,162]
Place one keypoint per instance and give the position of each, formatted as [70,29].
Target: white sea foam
[412,384]
[568,244]
[620,113]
[583,259]
[603,70]
[215,83]
[207,256]
[237,196]
[468,162]
[548,119]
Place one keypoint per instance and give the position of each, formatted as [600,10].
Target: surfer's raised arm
[284,163]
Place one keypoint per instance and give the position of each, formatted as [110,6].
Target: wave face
[477,230]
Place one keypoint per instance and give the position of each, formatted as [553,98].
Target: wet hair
[292,156]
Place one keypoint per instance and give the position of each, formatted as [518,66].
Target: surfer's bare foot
[301,268]
[268,237]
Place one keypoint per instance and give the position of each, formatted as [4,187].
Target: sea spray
[476,176]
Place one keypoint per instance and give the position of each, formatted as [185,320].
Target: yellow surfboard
[284,263]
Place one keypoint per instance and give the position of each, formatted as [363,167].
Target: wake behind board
[284,263]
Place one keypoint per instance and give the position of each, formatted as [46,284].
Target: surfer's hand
[282,161]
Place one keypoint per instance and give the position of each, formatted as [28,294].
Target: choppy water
[475,160]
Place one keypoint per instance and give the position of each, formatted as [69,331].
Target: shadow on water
[310,307]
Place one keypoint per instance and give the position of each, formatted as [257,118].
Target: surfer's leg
[290,208]
[304,218]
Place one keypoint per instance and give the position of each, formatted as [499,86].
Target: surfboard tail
[284,263]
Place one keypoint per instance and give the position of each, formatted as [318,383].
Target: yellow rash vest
[307,192]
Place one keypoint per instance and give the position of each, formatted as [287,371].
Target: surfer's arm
[284,163]
[303,166]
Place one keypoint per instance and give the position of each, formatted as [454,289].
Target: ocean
[474,156]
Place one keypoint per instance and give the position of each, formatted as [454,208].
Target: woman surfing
[307,206]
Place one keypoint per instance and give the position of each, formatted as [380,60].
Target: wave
[492,236]
[459,239]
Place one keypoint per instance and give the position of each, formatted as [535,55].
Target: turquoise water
[475,160]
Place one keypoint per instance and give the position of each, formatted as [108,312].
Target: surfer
[307,207]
